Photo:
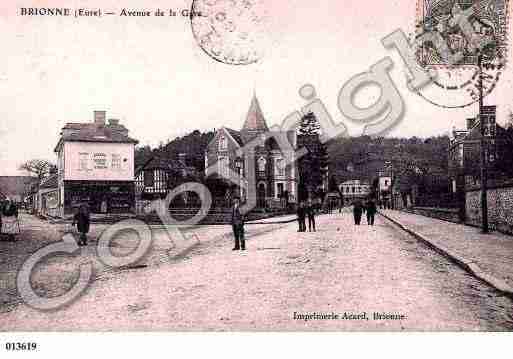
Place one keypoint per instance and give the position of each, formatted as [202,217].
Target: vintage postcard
[255,166]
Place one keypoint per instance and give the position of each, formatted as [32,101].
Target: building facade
[96,166]
[275,182]
[160,175]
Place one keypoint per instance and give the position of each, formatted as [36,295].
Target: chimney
[182,157]
[99,117]
[113,122]
[470,123]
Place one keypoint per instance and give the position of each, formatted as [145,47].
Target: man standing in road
[238,226]
[357,212]
[301,216]
[310,211]
[371,209]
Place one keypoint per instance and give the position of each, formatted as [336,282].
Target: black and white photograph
[254,167]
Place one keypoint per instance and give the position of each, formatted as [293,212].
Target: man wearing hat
[238,226]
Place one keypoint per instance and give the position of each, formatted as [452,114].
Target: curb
[467,265]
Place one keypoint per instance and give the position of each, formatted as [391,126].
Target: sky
[152,74]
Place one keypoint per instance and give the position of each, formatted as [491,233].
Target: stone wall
[445,214]
[500,208]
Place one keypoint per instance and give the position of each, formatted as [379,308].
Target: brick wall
[500,208]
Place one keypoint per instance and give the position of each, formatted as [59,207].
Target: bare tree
[38,168]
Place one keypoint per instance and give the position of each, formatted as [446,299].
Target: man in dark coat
[371,210]
[82,220]
[238,226]
[301,216]
[357,212]
[310,212]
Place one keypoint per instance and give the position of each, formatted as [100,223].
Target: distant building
[96,166]
[275,181]
[355,189]
[465,151]
[46,200]
[159,175]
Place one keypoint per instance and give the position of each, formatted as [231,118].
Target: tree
[313,165]
[142,155]
[38,168]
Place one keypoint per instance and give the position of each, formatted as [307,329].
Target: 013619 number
[19,346]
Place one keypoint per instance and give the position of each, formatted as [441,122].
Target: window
[116,162]
[279,192]
[223,143]
[83,161]
[280,167]
[261,164]
[223,168]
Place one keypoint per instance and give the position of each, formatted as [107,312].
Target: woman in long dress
[10,223]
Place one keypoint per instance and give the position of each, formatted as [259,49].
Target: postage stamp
[464,27]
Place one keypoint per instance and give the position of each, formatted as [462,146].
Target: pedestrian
[1,210]
[238,226]
[82,220]
[301,214]
[310,211]
[10,223]
[357,212]
[371,210]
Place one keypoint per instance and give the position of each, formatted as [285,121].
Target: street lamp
[484,170]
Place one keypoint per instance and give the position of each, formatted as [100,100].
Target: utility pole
[484,162]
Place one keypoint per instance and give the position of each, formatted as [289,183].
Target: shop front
[102,197]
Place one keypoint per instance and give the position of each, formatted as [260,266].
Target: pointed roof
[255,121]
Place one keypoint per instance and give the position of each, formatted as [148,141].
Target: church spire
[255,121]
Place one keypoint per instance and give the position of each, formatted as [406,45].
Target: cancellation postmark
[465,28]
[230,31]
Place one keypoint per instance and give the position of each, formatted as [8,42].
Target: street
[353,271]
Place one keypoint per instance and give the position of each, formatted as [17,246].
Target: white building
[355,189]
[96,166]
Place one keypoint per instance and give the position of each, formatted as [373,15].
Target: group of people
[305,210]
[9,222]
[369,207]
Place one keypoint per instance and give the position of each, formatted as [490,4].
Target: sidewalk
[489,257]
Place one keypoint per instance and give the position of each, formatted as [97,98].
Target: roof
[236,135]
[92,132]
[158,162]
[13,186]
[255,121]
[50,182]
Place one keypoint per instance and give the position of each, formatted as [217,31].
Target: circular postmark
[458,86]
[230,31]
[450,37]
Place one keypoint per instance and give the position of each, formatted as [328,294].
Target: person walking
[301,215]
[82,220]
[10,223]
[357,212]
[238,226]
[371,210]
[310,212]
